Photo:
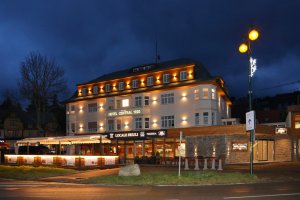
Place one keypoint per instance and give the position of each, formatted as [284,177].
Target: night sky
[91,38]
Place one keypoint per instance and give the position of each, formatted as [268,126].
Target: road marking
[259,196]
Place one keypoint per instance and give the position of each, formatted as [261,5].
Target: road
[44,190]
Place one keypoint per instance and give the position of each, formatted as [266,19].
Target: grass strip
[171,178]
[30,172]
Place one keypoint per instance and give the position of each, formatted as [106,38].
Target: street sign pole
[250,126]
[180,149]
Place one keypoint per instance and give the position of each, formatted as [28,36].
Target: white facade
[198,105]
[174,94]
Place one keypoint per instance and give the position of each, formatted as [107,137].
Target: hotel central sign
[124,112]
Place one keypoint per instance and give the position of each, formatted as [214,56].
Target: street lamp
[246,48]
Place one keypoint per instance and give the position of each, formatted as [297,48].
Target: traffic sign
[250,120]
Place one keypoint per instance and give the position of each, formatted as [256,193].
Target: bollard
[205,164]
[186,167]
[213,164]
[196,164]
[220,165]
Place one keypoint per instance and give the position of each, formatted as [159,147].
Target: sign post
[180,149]
[250,126]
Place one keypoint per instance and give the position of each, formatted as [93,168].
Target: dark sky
[90,38]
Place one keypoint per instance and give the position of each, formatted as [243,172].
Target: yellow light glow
[243,48]
[253,34]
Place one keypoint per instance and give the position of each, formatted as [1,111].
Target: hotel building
[138,107]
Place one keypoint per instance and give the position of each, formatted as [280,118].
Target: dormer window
[166,78]
[83,91]
[135,83]
[150,81]
[95,90]
[107,88]
[183,75]
[121,86]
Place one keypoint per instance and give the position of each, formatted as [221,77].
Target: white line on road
[259,196]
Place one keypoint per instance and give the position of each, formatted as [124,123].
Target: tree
[41,80]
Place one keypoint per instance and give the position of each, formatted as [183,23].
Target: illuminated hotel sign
[124,112]
[139,135]
[143,68]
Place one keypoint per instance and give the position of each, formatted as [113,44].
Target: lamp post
[246,48]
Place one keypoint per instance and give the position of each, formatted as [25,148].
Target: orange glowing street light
[243,48]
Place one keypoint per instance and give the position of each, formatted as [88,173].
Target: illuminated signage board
[240,146]
[137,135]
[281,130]
[124,112]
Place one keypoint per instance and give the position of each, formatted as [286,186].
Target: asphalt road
[44,190]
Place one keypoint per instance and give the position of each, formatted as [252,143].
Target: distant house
[16,125]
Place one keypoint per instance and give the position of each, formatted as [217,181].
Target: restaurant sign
[137,135]
[124,112]
[239,146]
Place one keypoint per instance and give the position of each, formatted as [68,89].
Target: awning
[84,139]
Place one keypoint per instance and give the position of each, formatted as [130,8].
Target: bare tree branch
[41,80]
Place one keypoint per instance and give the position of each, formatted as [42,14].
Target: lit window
[205,93]
[146,100]
[138,123]
[150,81]
[135,83]
[166,78]
[297,121]
[183,75]
[95,90]
[213,93]
[107,87]
[125,103]
[167,121]
[121,86]
[138,101]
[147,122]
[205,118]
[196,94]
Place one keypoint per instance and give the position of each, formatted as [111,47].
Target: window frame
[166,78]
[121,86]
[183,76]
[138,123]
[135,84]
[150,81]
[168,121]
[107,87]
[138,101]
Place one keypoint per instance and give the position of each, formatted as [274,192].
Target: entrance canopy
[82,139]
